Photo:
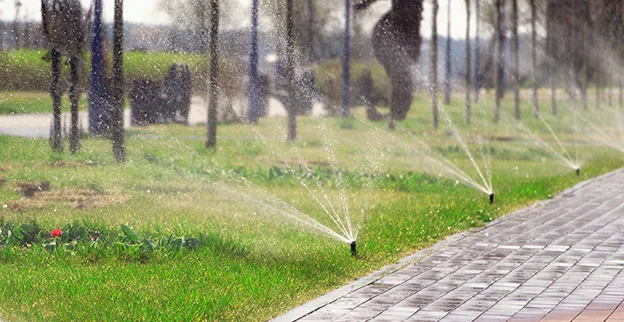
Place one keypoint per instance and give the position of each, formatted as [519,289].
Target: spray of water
[343,222]
[565,159]
[466,150]
[432,157]
[260,197]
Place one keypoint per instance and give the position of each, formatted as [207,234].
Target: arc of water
[375,169]
[576,137]
[340,179]
[337,220]
[461,142]
[539,141]
[486,157]
[554,135]
[309,221]
[281,202]
[439,160]
[617,115]
[607,138]
[329,205]
[322,191]
[449,166]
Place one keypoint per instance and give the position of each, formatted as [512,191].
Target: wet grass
[33,102]
[172,185]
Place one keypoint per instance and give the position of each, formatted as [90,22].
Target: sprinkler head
[578,171]
[353,249]
[491,198]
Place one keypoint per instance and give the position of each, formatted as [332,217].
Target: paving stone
[561,261]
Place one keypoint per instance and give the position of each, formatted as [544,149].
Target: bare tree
[119,150]
[55,56]
[16,30]
[290,73]
[65,25]
[468,60]
[498,58]
[534,57]
[516,57]
[191,15]
[434,63]
[213,93]
[311,19]
[477,85]
[448,67]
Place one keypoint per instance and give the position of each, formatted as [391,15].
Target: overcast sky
[146,11]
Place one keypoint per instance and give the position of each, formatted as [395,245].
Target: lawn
[255,262]
[33,102]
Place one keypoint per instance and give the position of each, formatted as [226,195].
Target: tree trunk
[290,72]
[119,149]
[621,98]
[553,94]
[434,64]
[516,58]
[346,64]
[57,143]
[552,69]
[98,120]
[468,60]
[213,94]
[279,45]
[74,97]
[534,58]
[16,30]
[311,18]
[598,96]
[203,26]
[610,91]
[477,83]
[498,60]
[254,93]
[449,66]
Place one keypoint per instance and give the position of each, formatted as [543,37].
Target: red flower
[95,237]
[56,233]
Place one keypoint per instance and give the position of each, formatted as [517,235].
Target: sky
[147,11]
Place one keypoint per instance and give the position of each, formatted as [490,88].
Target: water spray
[491,198]
[353,249]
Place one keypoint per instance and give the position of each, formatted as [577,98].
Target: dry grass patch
[30,188]
[74,198]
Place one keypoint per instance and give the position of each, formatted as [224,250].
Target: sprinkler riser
[353,248]
[578,171]
[491,198]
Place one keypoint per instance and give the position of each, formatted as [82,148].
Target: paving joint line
[316,304]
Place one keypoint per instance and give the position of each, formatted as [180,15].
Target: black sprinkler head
[353,248]
[578,171]
[491,198]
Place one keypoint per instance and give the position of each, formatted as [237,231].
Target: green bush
[329,79]
[26,70]
[98,242]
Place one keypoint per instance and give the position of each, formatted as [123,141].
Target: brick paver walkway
[560,261]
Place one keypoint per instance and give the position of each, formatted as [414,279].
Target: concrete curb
[314,305]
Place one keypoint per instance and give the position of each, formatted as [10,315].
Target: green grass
[33,102]
[25,70]
[171,184]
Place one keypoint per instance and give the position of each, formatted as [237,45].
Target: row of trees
[584,44]
[66,28]
[598,25]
